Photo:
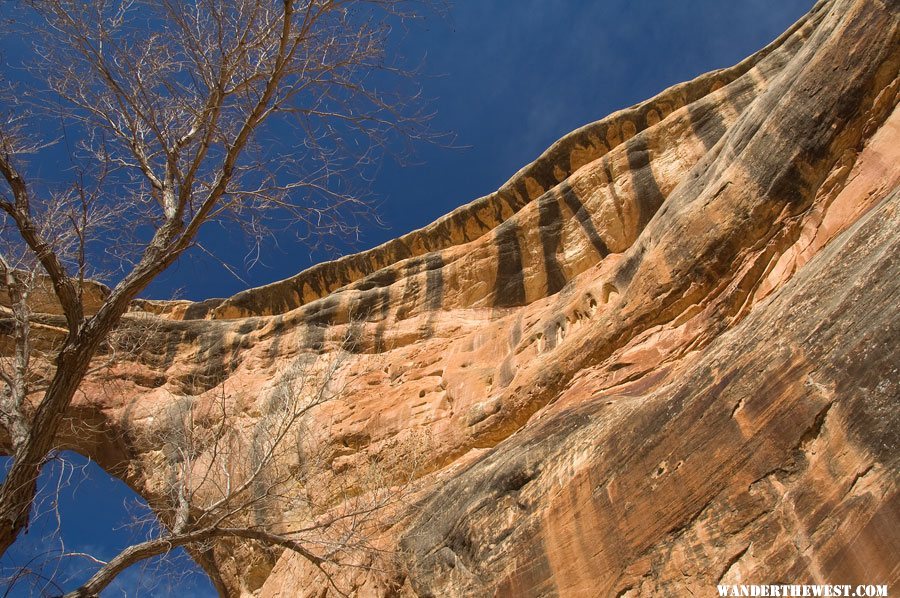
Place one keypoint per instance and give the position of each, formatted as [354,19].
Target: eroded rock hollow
[661,357]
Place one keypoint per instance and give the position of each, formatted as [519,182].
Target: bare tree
[225,480]
[174,114]
[269,482]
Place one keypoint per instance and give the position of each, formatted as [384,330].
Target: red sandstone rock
[661,357]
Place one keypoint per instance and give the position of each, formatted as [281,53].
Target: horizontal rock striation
[663,356]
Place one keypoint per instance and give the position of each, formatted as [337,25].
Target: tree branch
[19,212]
[151,548]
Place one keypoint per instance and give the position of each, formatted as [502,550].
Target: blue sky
[508,78]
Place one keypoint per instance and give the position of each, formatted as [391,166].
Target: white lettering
[785,590]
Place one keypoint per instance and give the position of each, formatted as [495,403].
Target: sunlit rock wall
[661,357]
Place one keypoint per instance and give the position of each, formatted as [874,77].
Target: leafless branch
[173,115]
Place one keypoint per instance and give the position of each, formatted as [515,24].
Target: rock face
[661,357]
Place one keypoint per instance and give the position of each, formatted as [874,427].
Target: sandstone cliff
[663,356]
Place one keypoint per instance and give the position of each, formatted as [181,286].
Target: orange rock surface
[663,356]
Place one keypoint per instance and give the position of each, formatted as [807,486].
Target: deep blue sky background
[508,77]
